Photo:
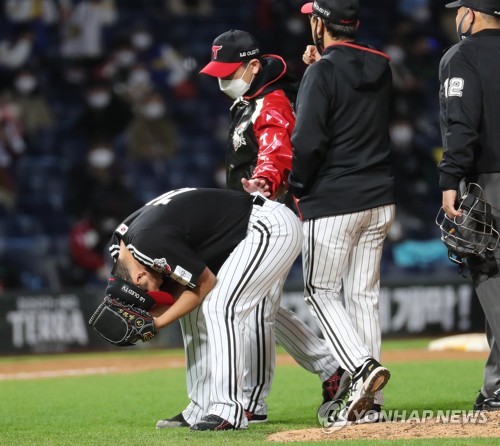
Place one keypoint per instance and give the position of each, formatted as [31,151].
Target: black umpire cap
[490,7]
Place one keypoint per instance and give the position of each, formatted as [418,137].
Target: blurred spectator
[106,116]
[23,11]
[87,252]
[418,10]
[17,50]
[41,16]
[12,146]
[82,31]
[117,66]
[167,67]
[9,275]
[35,114]
[136,86]
[189,7]
[151,134]
[98,197]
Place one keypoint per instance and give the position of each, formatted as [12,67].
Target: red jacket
[261,127]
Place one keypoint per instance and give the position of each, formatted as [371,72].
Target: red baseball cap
[229,51]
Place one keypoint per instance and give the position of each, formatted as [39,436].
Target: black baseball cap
[229,51]
[128,292]
[490,7]
[340,12]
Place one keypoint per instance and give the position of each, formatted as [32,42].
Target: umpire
[470,106]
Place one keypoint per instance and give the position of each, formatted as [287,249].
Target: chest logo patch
[239,135]
[161,266]
[122,229]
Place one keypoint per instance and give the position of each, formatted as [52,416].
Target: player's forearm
[187,301]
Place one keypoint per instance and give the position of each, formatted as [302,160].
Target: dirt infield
[487,424]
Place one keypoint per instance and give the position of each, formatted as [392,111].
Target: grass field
[122,409]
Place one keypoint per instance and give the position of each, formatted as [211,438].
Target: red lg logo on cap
[215,50]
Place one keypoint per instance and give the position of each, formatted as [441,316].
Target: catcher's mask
[471,234]
[133,295]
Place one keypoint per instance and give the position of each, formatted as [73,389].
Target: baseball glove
[122,324]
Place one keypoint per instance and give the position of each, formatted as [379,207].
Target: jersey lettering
[167,197]
[453,87]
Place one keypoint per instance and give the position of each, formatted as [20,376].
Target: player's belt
[259,201]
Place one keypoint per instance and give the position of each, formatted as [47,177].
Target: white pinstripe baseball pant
[264,257]
[309,351]
[343,253]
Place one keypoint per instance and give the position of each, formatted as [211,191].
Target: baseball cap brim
[307,8]
[457,4]
[221,69]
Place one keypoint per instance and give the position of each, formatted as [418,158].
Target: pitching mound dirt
[487,424]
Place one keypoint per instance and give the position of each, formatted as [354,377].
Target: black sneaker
[212,423]
[336,387]
[366,381]
[177,421]
[492,403]
[254,418]
[478,404]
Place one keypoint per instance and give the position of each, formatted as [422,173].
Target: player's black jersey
[183,231]
[469,95]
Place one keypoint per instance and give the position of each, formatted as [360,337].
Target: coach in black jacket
[341,176]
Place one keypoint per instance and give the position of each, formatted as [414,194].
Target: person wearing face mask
[106,115]
[342,180]
[35,113]
[258,160]
[469,109]
[97,197]
[151,135]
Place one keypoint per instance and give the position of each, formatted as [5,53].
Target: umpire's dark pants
[488,292]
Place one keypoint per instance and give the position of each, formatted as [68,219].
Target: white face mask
[101,157]
[235,88]
[99,99]
[25,84]
[141,40]
[125,58]
[138,77]
[401,135]
[153,110]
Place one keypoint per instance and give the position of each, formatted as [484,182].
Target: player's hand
[257,185]
[311,55]
[449,199]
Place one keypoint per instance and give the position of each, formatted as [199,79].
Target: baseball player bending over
[225,250]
